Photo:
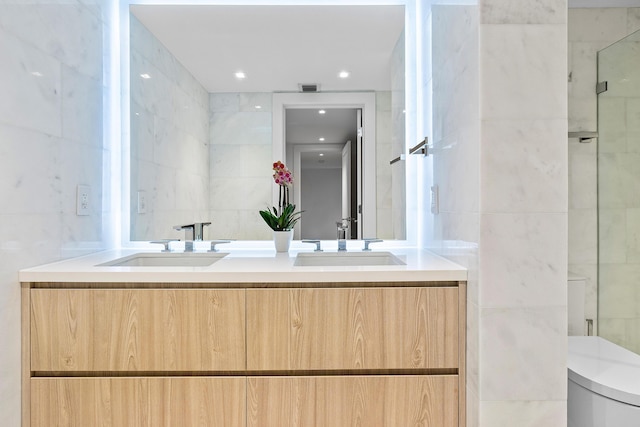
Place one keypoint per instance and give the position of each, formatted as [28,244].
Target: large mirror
[203,137]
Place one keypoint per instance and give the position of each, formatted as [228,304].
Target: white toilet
[604,378]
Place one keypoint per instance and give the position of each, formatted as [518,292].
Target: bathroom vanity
[251,340]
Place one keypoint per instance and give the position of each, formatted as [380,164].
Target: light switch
[142,202]
[435,203]
[83,200]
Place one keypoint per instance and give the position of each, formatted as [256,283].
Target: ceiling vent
[308,87]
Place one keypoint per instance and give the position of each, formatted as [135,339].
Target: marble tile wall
[398,140]
[523,213]
[590,30]
[500,160]
[385,151]
[51,140]
[454,87]
[240,157]
[169,141]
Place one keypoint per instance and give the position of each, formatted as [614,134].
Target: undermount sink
[337,259]
[181,259]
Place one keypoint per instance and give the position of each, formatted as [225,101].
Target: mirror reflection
[202,139]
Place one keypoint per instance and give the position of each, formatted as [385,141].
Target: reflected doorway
[324,146]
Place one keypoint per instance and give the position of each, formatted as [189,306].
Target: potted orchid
[282,219]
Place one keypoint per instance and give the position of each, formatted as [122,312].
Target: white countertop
[245,265]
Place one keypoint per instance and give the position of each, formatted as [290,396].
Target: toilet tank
[576,296]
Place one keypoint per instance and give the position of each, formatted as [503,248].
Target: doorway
[325,150]
[365,102]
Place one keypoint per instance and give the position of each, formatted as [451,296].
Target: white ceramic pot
[282,240]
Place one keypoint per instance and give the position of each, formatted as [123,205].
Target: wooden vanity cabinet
[352,328]
[138,401]
[301,354]
[130,330]
[330,401]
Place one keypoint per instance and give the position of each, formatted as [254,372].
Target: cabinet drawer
[132,402]
[352,328]
[137,330]
[353,401]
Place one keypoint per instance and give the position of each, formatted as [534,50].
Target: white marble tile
[193,193]
[32,167]
[240,224]
[614,330]
[583,236]
[617,291]
[240,128]
[384,192]
[633,19]
[240,160]
[583,68]
[523,12]
[612,122]
[383,101]
[473,408]
[523,353]
[633,142]
[11,339]
[384,228]
[81,108]
[160,184]
[526,265]
[583,113]
[249,101]
[511,55]
[457,169]
[583,180]
[142,133]
[523,413]
[613,180]
[597,24]
[632,236]
[524,166]
[30,84]
[240,193]
[612,236]
[473,347]
[224,102]
[80,230]
[70,176]
[633,114]
[68,32]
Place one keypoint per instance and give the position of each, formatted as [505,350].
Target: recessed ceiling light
[343,74]
[321,154]
[258,107]
[240,75]
[321,112]
[145,76]
[321,139]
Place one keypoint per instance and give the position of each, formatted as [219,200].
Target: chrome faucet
[192,232]
[367,242]
[343,226]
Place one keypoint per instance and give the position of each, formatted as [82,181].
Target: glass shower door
[619,193]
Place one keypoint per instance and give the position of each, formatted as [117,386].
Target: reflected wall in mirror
[201,141]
